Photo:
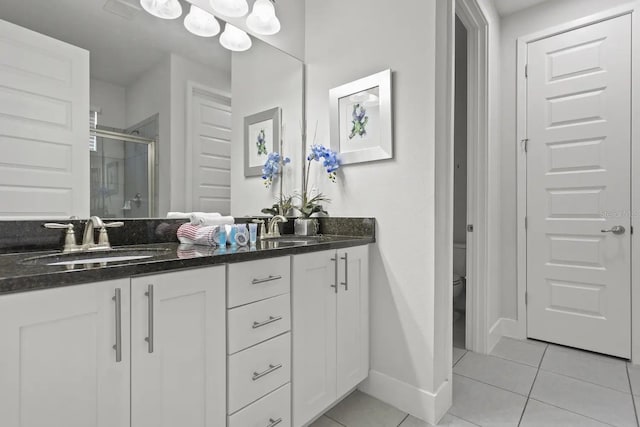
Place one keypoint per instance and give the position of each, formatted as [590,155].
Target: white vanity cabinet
[146,351]
[259,343]
[330,294]
[178,357]
[58,366]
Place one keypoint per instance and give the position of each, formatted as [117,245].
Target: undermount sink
[304,240]
[96,257]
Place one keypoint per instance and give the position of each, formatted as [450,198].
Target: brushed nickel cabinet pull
[335,285]
[273,423]
[265,280]
[272,319]
[118,345]
[346,271]
[272,368]
[149,338]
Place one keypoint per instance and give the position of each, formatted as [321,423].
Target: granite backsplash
[21,236]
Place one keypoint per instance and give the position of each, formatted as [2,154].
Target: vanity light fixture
[231,8]
[235,39]
[201,23]
[165,9]
[263,19]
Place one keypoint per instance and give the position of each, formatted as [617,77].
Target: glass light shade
[201,23]
[235,39]
[165,9]
[231,8]
[263,19]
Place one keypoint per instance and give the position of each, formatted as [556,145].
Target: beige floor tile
[362,410]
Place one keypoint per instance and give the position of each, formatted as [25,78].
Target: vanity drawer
[266,411]
[253,323]
[257,280]
[254,372]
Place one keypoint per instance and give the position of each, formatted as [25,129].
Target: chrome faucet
[88,238]
[273,230]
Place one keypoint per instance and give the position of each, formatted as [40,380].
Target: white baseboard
[422,404]
[505,328]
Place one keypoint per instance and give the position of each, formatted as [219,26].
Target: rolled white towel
[197,235]
[203,218]
[215,220]
[178,215]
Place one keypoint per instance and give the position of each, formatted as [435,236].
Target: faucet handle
[113,224]
[263,234]
[69,238]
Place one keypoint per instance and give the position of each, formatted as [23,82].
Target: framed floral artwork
[261,137]
[361,119]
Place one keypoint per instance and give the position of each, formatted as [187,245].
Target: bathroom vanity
[267,337]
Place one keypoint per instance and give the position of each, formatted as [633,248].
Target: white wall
[148,96]
[183,71]
[264,78]
[111,100]
[402,261]
[525,22]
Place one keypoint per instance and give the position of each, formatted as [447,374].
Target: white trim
[193,88]
[635,192]
[521,106]
[504,328]
[477,328]
[422,404]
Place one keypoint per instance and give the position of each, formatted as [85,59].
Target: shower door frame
[151,159]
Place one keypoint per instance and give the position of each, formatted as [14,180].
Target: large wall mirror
[107,110]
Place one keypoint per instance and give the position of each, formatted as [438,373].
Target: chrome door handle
[265,280]
[272,368]
[273,423]
[272,319]
[149,339]
[335,285]
[118,345]
[616,229]
[346,271]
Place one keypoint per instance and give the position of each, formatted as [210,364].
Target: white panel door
[44,126]
[178,352]
[58,366]
[578,186]
[352,318]
[314,334]
[210,134]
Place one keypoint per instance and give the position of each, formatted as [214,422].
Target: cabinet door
[178,352]
[352,318]
[314,334]
[58,366]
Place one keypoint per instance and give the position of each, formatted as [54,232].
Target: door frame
[521,164]
[477,328]
[194,88]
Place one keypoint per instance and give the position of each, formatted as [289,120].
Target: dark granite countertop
[16,276]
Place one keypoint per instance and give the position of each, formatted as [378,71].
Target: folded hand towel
[174,215]
[202,218]
[214,220]
[192,234]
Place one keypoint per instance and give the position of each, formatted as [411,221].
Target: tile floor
[522,383]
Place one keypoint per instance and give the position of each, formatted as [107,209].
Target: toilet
[459,273]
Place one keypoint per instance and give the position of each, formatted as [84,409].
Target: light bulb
[201,23]
[165,9]
[231,8]
[235,39]
[263,19]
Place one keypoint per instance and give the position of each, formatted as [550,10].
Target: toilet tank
[460,259]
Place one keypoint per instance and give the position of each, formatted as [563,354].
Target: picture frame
[362,120]
[261,137]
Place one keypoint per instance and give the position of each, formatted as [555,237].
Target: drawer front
[272,410]
[257,280]
[257,322]
[257,371]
